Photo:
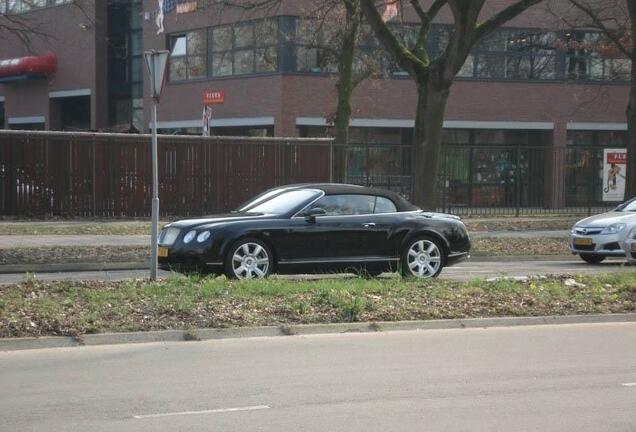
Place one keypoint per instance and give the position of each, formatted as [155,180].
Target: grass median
[35,308]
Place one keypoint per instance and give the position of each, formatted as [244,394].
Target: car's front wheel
[422,258]
[592,258]
[249,259]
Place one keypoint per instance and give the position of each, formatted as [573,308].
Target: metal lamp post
[156,62]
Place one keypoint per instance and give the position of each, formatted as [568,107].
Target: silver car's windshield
[629,207]
[282,203]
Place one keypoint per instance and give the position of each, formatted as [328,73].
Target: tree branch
[426,17]
[601,26]
[405,58]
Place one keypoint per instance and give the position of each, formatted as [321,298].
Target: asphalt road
[545,378]
[465,271]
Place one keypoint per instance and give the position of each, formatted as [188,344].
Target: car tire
[592,258]
[248,258]
[422,258]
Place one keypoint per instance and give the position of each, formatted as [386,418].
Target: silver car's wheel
[250,260]
[423,259]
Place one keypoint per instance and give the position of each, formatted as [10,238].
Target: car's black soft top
[339,188]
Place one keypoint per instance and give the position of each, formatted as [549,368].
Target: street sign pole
[156,62]
[155,197]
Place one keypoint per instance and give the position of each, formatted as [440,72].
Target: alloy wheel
[424,259]
[249,261]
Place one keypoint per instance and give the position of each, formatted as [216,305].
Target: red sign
[213,97]
[617,158]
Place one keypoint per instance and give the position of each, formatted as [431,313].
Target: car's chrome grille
[587,231]
[168,236]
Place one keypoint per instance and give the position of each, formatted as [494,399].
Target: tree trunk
[427,137]
[630,178]
[344,87]
[630,175]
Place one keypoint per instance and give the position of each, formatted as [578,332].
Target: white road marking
[629,384]
[212,411]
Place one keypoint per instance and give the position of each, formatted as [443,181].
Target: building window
[514,54]
[589,58]
[239,49]
[187,56]
[583,138]
[310,48]
[245,48]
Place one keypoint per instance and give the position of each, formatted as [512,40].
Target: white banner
[205,118]
[614,161]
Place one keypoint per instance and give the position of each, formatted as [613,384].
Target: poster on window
[614,174]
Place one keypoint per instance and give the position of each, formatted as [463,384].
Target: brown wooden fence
[109,175]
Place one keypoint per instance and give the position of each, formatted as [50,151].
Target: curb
[18,344]
[71,267]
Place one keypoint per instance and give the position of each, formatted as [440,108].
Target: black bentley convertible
[312,228]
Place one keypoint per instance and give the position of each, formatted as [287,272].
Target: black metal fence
[493,180]
[108,175]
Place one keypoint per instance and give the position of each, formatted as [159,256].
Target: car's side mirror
[311,214]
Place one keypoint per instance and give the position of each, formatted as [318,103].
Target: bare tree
[616,19]
[335,29]
[433,77]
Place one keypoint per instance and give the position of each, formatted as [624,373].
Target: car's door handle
[369,224]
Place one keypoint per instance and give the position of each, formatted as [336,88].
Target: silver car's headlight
[203,236]
[614,228]
[189,236]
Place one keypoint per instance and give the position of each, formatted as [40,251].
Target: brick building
[525,87]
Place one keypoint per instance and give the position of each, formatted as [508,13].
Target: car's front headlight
[203,236]
[614,228]
[168,236]
[189,236]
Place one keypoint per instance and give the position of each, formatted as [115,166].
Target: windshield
[629,206]
[282,203]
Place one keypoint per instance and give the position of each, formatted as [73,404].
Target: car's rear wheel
[422,258]
[592,258]
[249,258]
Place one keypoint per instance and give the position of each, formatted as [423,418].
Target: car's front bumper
[184,258]
[600,244]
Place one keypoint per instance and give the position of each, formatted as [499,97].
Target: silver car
[629,240]
[598,237]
